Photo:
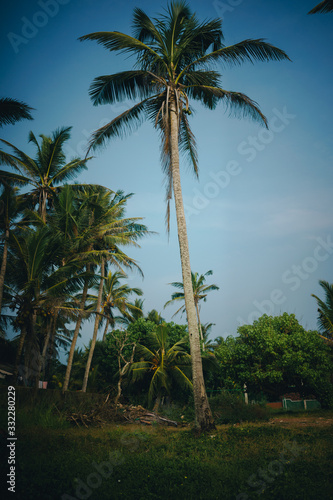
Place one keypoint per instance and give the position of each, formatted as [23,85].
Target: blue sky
[260,215]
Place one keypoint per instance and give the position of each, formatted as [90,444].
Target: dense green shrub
[229,408]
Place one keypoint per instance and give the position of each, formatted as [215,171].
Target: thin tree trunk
[122,370]
[106,329]
[199,325]
[97,320]
[75,336]
[3,266]
[203,415]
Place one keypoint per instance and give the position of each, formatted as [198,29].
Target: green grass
[243,461]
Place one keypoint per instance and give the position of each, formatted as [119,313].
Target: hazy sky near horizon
[261,214]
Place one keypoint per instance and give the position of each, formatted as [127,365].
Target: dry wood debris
[108,413]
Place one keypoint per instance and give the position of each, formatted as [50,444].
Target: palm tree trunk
[3,266]
[199,325]
[75,336]
[19,350]
[42,205]
[203,415]
[45,346]
[97,320]
[106,329]
[157,403]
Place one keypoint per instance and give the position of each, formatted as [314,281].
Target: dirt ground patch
[301,421]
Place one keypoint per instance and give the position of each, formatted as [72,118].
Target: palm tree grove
[166,335]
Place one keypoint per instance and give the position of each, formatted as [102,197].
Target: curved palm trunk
[203,415]
[199,325]
[97,320]
[3,266]
[75,336]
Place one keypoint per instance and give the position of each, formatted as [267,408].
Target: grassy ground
[289,457]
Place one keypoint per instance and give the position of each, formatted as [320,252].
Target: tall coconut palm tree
[322,7]
[46,171]
[33,284]
[137,311]
[163,363]
[90,225]
[112,230]
[12,111]
[176,57]
[115,297]
[155,317]
[10,206]
[200,291]
[325,310]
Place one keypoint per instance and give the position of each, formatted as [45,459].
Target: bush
[229,408]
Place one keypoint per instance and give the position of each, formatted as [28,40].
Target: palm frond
[187,144]
[323,7]
[12,111]
[21,162]
[114,40]
[121,125]
[109,89]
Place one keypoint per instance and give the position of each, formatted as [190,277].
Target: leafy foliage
[12,111]
[176,59]
[274,354]
[325,310]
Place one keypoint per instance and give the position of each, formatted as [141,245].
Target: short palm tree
[164,364]
[46,171]
[176,57]
[322,7]
[12,111]
[200,291]
[325,310]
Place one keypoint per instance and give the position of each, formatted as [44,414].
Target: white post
[246,396]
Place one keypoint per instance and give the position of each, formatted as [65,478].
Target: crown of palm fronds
[176,60]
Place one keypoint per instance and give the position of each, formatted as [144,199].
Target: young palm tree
[325,310]
[46,171]
[176,56]
[325,6]
[200,291]
[12,111]
[164,363]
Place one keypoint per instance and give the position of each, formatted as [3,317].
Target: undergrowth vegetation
[243,460]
